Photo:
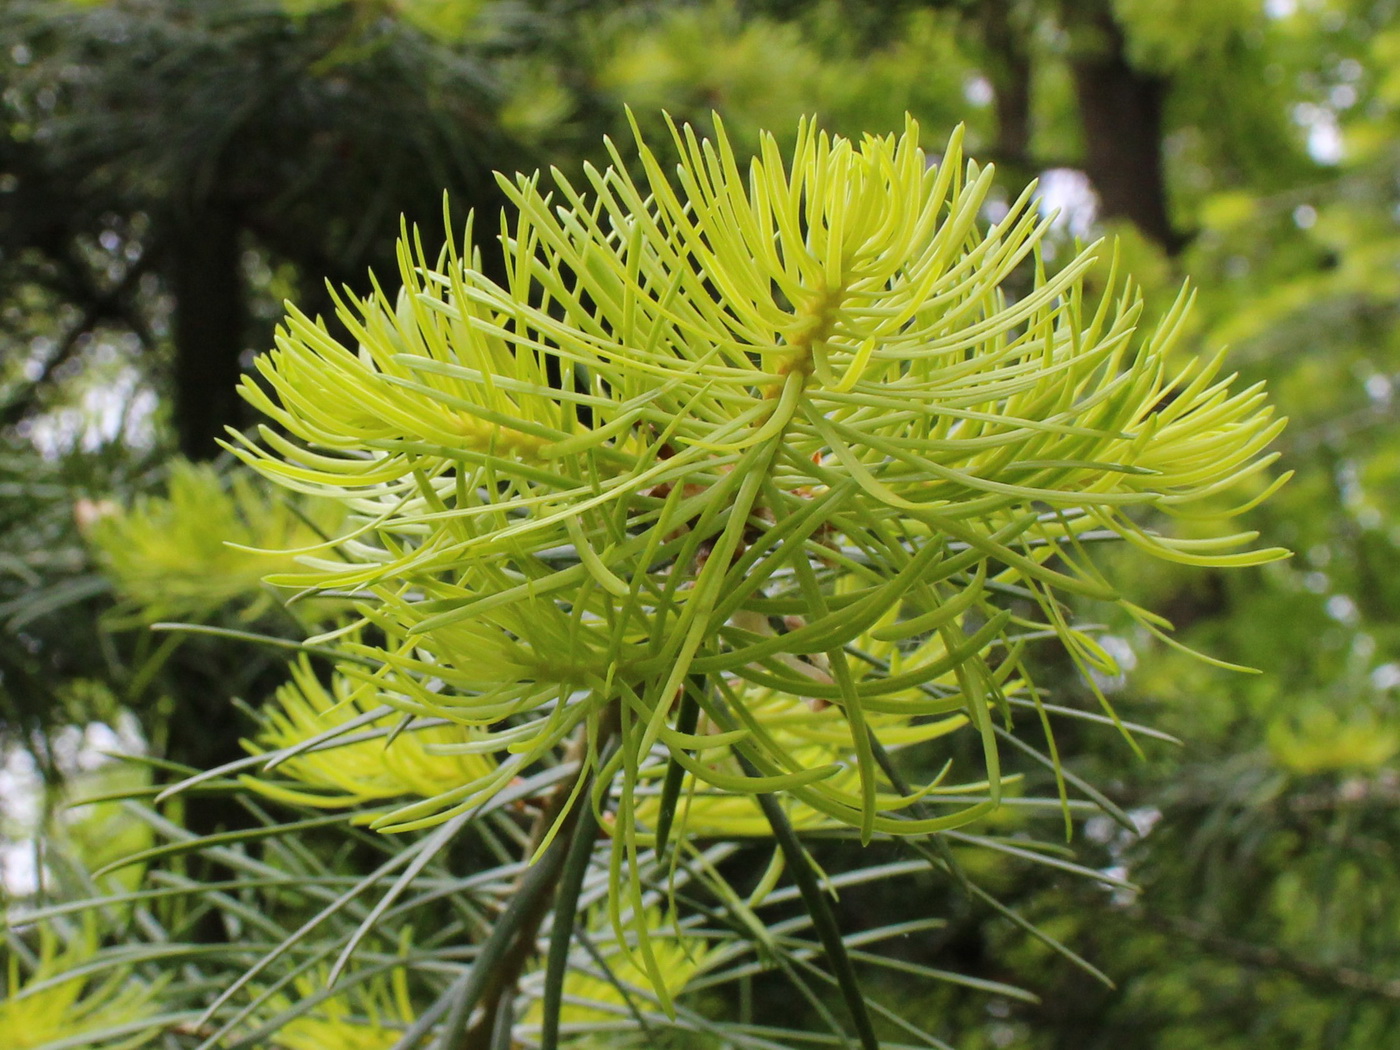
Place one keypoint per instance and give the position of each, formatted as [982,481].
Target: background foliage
[169,172]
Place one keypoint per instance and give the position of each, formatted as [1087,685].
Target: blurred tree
[1251,146]
[171,171]
[161,159]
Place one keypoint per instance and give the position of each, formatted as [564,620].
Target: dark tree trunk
[206,279]
[1121,111]
[1009,68]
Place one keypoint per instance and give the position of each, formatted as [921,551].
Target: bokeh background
[172,170]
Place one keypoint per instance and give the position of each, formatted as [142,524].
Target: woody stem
[535,895]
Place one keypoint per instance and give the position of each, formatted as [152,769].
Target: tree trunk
[206,279]
[1008,66]
[1121,111]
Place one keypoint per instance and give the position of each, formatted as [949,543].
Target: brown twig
[503,981]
